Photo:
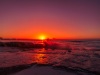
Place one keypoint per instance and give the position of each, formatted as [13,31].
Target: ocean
[83,57]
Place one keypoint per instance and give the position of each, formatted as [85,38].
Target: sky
[67,19]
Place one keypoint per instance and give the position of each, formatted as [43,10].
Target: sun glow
[42,37]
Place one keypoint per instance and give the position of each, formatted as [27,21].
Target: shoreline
[28,60]
[16,69]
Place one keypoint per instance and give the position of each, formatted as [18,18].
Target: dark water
[85,54]
[75,44]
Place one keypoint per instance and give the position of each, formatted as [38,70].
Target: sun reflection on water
[41,57]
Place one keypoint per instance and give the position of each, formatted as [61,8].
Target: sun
[42,37]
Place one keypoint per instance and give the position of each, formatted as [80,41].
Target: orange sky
[53,19]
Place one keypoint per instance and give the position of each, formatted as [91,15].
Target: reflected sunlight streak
[41,56]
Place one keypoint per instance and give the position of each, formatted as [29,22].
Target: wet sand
[49,70]
[44,70]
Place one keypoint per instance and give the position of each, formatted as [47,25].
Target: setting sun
[42,37]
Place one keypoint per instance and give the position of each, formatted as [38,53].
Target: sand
[43,70]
